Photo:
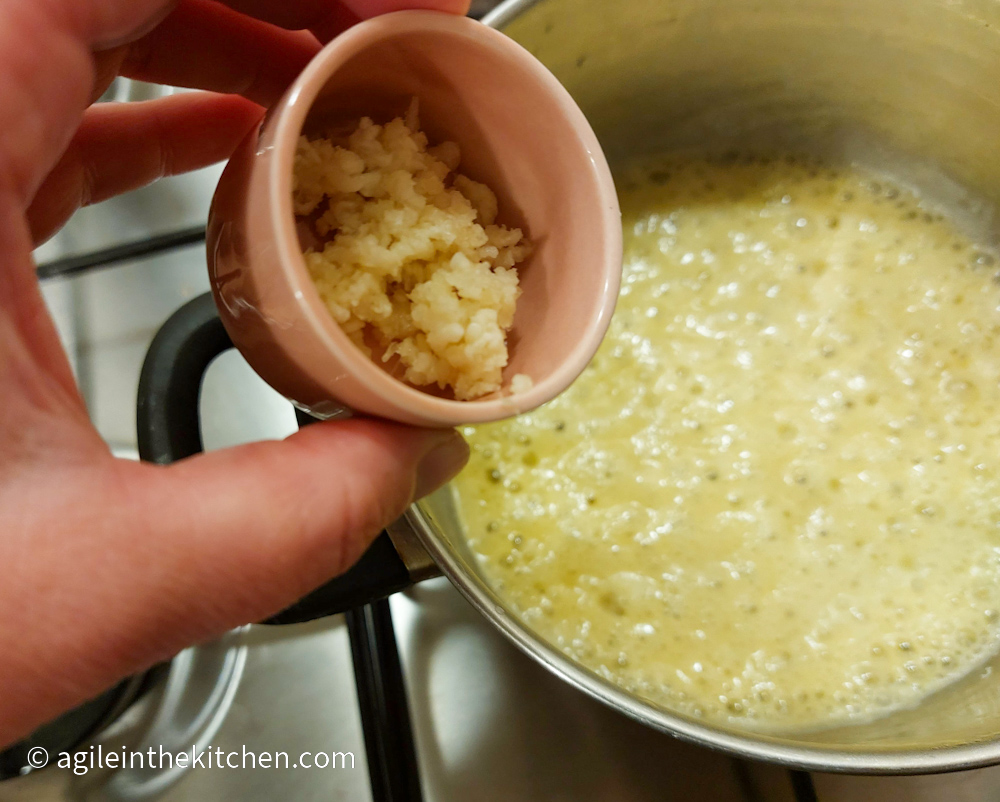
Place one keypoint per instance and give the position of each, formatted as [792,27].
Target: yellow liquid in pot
[773,498]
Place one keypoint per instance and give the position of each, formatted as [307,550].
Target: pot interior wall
[909,87]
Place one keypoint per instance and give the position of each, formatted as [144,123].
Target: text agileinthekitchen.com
[99,757]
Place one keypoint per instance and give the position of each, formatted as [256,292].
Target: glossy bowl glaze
[519,132]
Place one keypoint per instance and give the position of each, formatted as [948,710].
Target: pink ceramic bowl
[519,132]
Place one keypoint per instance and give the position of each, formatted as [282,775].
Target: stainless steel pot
[909,85]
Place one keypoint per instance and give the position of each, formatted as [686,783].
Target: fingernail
[440,464]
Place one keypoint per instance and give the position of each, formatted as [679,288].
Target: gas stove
[416,697]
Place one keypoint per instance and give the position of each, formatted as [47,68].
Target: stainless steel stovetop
[489,724]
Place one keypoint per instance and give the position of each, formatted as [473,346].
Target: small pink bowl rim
[299,100]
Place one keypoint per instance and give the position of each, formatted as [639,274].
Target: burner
[175,706]
[72,729]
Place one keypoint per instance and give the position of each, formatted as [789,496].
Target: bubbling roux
[773,498]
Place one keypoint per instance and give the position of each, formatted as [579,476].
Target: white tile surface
[120,310]
[238,407]
[170,204]
[122,302]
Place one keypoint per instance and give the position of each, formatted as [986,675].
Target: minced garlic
[411,264]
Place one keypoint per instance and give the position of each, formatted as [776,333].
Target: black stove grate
[385,713]
[802,786]
[124,252]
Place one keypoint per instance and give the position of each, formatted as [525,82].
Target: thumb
[263,524]
[128,563]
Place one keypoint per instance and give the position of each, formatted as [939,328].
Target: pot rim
[747,745]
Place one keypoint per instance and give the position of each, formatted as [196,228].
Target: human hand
[110,565]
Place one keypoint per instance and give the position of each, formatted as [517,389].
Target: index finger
[46,85]
[315,13]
